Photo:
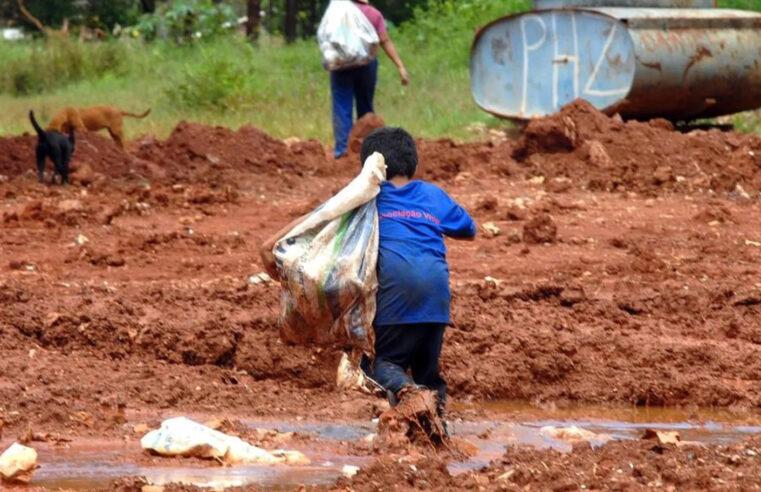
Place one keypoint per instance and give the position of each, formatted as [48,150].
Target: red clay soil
[131,294]
[601,153]
[619,465]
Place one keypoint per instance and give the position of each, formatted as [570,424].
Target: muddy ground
[623,269]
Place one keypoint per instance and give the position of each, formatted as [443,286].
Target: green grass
[282,89]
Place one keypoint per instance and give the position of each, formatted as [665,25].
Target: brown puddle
[516,422]
[84,468]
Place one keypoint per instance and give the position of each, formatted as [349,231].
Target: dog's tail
[135,115]
[36,126]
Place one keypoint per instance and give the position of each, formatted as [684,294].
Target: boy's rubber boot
[395,399]
[392,399]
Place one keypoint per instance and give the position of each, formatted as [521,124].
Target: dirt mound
[99,153]
[444,160]
[362,128]
[200,152]
[604,153]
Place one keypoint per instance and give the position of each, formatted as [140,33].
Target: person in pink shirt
[358,83]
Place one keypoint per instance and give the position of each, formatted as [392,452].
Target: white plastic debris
[490,230]
[181,436]
[350,377]
[259,278]
[573,434]
[81,239]
[349,471]
[17,464]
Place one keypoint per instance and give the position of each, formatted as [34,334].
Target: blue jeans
[416,347]
[346,86]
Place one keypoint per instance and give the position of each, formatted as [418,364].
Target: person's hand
[403,76]
[268,259]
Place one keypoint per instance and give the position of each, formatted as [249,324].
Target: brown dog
[93,119]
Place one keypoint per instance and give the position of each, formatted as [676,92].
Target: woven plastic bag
[327,265]
[346,37]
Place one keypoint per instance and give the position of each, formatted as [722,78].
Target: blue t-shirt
[413,274]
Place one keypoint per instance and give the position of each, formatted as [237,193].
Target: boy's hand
[268,260]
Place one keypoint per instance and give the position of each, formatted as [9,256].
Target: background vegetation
[220,76]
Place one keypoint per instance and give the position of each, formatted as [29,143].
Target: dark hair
[397,147]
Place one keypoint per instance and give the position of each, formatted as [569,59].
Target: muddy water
[84,468]
[519,423]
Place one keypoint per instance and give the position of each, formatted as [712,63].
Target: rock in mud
[83,174]
[715,213]
[547,135]
[598,156]
[349,471]
[490,230]
[515,213]
[488,203]
[539,230]
[17,464]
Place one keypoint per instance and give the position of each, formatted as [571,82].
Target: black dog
[56,146]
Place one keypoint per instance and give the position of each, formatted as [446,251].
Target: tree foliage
[104,14]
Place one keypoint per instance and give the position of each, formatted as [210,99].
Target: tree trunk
[149,6]
[314,17]
[291,20]
[254,18]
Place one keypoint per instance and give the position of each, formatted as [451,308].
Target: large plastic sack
[183,437]
[346,37]
[327,266]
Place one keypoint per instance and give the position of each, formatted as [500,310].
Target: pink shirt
[374,16]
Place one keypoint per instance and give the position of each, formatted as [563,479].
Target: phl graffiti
[535,63]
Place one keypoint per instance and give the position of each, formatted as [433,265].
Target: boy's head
[397,147]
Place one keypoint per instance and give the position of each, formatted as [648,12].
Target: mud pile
[608,154]
[137,285]
[195,151]
[613,466]
[17,156]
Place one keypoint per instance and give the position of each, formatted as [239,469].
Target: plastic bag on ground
[351,376]
[17,464]
[327,266]
[346,37]
[183,437]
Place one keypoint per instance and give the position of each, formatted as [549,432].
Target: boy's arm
[457,224]
[268,257]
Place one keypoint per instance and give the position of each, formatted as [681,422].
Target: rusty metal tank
[640,62]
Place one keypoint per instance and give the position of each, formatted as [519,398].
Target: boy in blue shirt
[413,275]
